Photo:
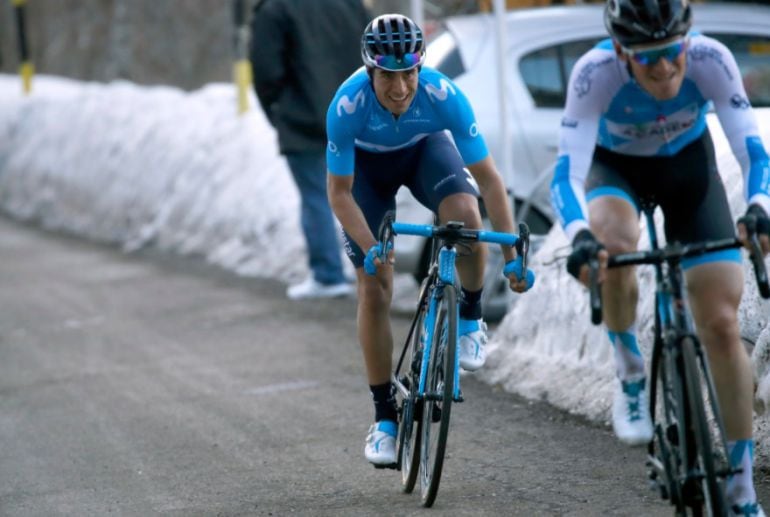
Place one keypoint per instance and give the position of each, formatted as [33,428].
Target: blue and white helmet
[392,42]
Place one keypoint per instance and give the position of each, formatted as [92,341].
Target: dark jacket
[301,51]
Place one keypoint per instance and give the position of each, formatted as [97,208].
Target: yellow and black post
[242,66]
[26,68]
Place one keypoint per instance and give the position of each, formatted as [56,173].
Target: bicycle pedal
[436,414]
[391,466]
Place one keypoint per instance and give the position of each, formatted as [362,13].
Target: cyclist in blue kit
[633,133]
[386,128]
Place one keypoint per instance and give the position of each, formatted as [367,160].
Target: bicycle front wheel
[411,408]
[666,404]
[708,497]
[439,392]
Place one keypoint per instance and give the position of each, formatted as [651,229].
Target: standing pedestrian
[301,50]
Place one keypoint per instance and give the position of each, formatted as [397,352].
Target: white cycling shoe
[473,342]
[380,448]
[312,289]
[631,412]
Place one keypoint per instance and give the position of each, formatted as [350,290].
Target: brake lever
[758,262]
[385,235]
[522,247]
[595,292]
[755,255]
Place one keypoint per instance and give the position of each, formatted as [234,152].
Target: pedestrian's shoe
[380,448]
[311,288]
[473,341]
[747,510]
[631,413]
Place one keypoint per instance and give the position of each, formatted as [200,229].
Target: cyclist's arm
[495,198]
[459,118]
[340,191]
[720,80]
[340,159]
[577,140]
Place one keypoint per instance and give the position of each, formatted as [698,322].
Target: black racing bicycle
[687,457]
[427,376]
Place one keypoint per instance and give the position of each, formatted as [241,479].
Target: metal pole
[242,65]
[506,150]
[417,12]
[26,68]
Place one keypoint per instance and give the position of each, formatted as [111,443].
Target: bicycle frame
[676,369]
[440,274]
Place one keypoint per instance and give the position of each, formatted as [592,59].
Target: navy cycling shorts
[432,169]
[686,186]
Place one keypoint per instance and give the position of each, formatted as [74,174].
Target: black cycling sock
[470,304]
[384,402]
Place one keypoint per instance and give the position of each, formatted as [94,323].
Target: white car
[543,45]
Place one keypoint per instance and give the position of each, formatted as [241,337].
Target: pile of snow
[137,166]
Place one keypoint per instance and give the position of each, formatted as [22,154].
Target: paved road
[145,385]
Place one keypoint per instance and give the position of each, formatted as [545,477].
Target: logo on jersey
[350,106]
[376,123]
[440,94]
[333,148]
[739,102]
[702,52]
[646,137]
[473,130]
[570,123]
[584,79]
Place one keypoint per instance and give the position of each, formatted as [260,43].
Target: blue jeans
[309,171]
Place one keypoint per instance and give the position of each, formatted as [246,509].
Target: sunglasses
[394,63]
[651,55]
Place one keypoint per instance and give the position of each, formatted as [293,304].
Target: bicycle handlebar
[673,253]
[454,233]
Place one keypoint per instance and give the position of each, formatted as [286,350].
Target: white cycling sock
[740,487]
[628,358]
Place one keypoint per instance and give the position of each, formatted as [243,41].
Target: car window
[546,71]
[753,56]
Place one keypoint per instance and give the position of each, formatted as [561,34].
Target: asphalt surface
[146,384]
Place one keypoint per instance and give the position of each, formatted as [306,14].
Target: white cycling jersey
[607,107]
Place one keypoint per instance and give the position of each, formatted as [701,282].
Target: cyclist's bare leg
[465,207]
[615,224]
[714,294]
[715,290]
[374,331]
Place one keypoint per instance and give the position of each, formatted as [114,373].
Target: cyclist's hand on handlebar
[518,281]
[755,220]
[377,258]
[584,248]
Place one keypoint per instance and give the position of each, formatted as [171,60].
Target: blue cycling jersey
[608,108]
[356,119]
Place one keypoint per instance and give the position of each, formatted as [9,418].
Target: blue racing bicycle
[427,375]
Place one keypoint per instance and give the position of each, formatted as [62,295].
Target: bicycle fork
[429,327]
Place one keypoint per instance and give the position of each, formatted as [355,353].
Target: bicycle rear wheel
[708,497]
[439,391]
[410,422]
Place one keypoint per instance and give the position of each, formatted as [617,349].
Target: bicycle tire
[439,390]
[410,424]
[664,409]
[710,487]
